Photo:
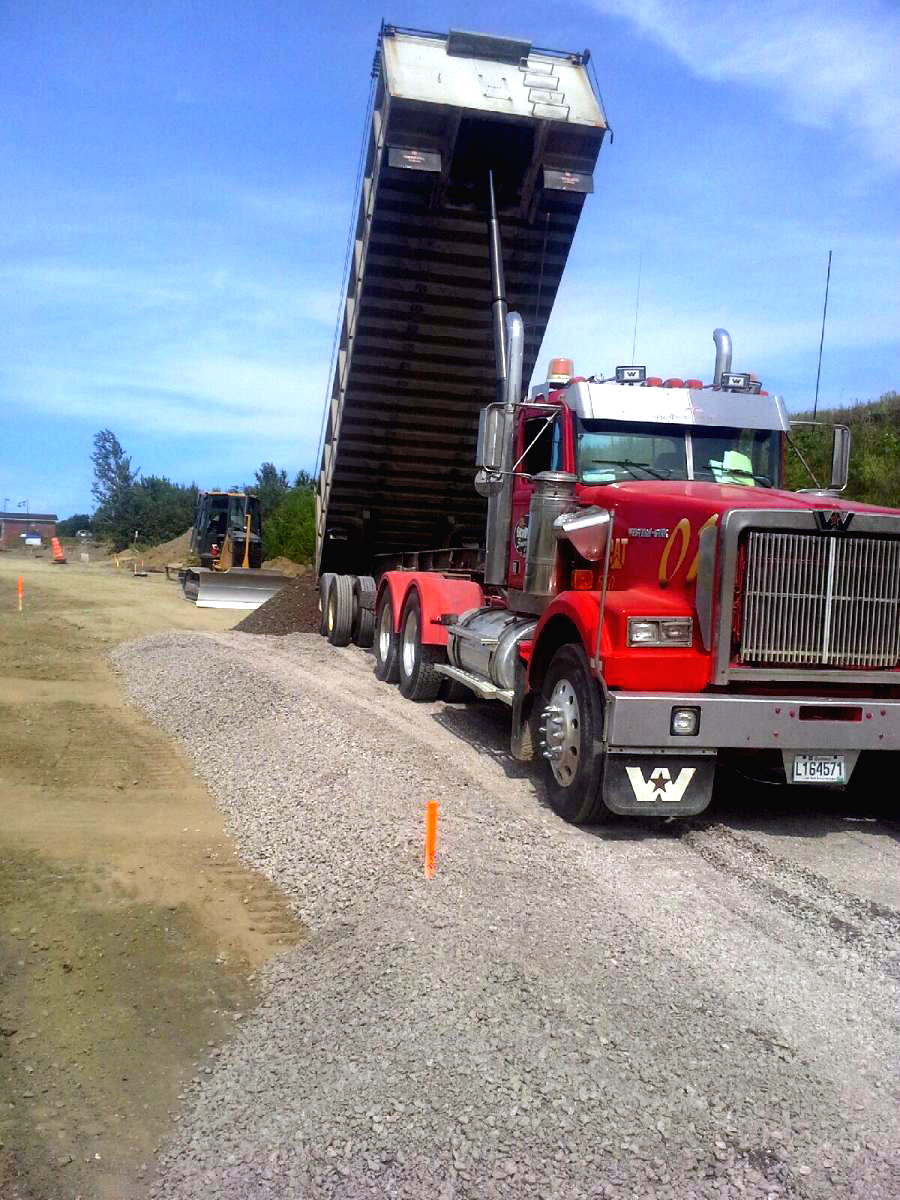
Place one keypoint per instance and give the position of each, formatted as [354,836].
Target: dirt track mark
[128,928]
[863,926]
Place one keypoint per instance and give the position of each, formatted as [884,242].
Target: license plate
[819,768]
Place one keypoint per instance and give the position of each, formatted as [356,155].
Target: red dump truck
[644,594]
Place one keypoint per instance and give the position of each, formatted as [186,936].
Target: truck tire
[325,582]
[418,678]
[570,720]
[363,632]
[339,610]
[387,643]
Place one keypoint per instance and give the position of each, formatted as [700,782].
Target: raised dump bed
[415,359]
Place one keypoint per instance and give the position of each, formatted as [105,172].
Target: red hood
[655,561]
[694,497]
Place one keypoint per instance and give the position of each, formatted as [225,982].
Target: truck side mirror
[489,455]
[840,458]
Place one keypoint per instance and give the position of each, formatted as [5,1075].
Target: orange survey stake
[20,588]
[431,821]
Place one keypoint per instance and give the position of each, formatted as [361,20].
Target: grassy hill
[874,453]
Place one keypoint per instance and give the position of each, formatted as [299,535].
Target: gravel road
[708,1010]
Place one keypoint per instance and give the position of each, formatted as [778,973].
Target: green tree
[128,502]
[113,489]
[290,531]
[271,486]
[70,526]
[162,509]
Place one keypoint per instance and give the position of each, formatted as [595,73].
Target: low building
[16,527]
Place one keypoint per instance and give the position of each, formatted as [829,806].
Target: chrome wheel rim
[561,730]
[385,632]
[409,644]
[329,616]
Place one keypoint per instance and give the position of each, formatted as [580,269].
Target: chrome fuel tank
[485,642]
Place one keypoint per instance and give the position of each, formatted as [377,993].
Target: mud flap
[661,784]
[522,734]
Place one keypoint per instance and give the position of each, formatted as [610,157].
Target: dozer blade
[236,588]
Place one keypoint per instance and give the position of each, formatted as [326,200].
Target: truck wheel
[418,678]
[325,583]
[363,631]
[339,610]
[387,665]
[570,722]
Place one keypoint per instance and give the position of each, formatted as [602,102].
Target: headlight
[642,633]
[660,631]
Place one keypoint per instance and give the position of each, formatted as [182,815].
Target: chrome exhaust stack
[509,352]
[499,306]
[722,338]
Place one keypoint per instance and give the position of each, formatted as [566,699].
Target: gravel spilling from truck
[293,609]
[687,1012]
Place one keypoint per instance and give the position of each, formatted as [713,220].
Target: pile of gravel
[293,609]
[554,1015]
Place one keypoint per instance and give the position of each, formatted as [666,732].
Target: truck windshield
[748,456]
[610,451]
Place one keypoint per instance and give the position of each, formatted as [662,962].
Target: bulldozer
[227,542]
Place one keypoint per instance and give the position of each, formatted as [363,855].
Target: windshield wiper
[629,466]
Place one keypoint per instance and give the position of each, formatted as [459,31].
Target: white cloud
[207,397]
[48,279]
[829,65]
[252,389]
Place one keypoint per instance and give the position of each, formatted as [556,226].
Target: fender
[437,595]
[650,668]
[665,669]
[581,609]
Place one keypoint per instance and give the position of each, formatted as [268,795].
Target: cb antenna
[822,338]
[637,305]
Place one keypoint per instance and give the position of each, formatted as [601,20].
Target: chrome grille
[821,600]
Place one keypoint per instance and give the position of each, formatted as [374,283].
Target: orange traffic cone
[58,552]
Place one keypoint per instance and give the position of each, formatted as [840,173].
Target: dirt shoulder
[129,931]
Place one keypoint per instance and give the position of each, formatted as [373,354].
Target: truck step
[482,688]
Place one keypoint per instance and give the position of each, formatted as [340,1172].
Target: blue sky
[175,189]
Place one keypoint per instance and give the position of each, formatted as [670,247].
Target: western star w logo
[834,520]
[660,785]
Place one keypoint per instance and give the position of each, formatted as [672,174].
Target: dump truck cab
[608,432]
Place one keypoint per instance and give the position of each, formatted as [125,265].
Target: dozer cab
[227,540]
[227,531]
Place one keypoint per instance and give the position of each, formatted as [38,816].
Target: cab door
[542,446]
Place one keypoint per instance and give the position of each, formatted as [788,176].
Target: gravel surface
[293,609]
[679,1013]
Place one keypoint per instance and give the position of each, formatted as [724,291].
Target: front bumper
[642,720]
